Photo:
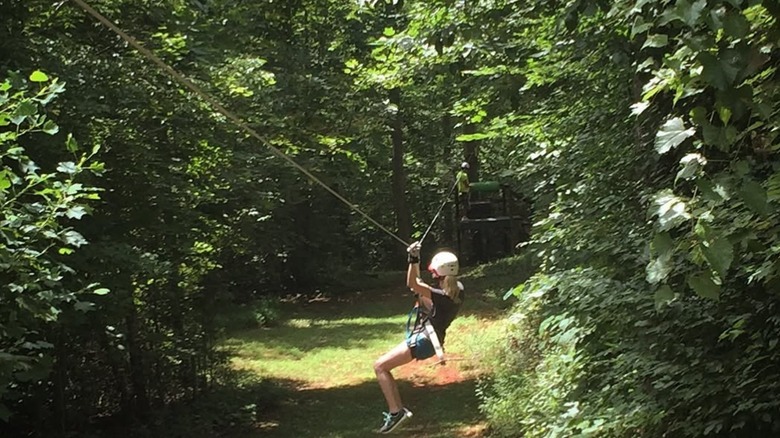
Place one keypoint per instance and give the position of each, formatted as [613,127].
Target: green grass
[354,412]
[318,351]
[320,357]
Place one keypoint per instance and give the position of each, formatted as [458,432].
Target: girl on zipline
[436,307]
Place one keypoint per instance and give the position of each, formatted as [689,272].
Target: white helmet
[464,165]
[443,264]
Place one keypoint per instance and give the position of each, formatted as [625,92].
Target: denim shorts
[421,346]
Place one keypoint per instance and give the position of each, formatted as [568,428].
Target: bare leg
[396,357]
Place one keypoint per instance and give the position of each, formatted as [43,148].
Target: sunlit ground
[324,353]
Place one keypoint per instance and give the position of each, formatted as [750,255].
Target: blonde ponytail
[451,288]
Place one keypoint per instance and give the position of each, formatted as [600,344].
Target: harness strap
[409,326]
[434,340]
[426,324]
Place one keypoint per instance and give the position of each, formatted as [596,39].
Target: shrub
[591,356]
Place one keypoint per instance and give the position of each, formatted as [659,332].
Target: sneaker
[392,421]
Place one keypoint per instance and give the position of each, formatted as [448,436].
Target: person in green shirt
[462,179]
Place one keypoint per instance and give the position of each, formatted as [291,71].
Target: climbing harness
[422,319]
[434,340]
[225,112]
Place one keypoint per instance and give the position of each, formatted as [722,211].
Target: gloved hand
[414,252]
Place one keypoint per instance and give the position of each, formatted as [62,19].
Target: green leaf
[657,270]
[5,181]
[15,151]
[773,187]
[68,167]
[76,212]
[74,238]
[474,137]
[671,210]
[702,229]
[721,137]
[352,64]
[639,107]
[699,115]
[724,113]
[719,255]
[101,291]
[671,134]
[716,72]
[515,291]
[735,24]
[663,295]
[388,32]
[656,40]
[703,285]
[691,165]
[690,12]
[24,110]
[754,196]
[71,143]
[84,306]
[685,11]
[50,127]
[766,270]
[663,243]
[74,188]
[65,251]
[640,27]
[38,76]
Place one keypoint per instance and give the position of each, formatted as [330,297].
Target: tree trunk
[471,153]
[403,217]
[139,401]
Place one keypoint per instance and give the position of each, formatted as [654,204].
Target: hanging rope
[222,110]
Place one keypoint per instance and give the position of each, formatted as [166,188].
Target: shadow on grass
[297,341]
[483,297]
[327,325]
[356,411]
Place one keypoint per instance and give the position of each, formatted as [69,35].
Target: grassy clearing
[321,356]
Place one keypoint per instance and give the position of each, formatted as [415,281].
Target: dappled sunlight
[327,350]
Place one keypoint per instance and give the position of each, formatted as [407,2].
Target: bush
[266,312]
[590,356]
[263,312]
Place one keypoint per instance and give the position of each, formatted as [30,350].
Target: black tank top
[444,311]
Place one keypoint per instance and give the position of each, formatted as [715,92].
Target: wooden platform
[489,221]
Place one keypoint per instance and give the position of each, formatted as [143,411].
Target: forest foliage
[135,216]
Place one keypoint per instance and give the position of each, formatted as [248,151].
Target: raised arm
[413,272]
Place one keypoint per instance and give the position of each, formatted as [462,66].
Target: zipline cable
[222,110]
[446,198]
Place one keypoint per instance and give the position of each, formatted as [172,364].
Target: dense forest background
[135,217]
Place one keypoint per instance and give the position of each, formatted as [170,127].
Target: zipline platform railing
[496,222]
